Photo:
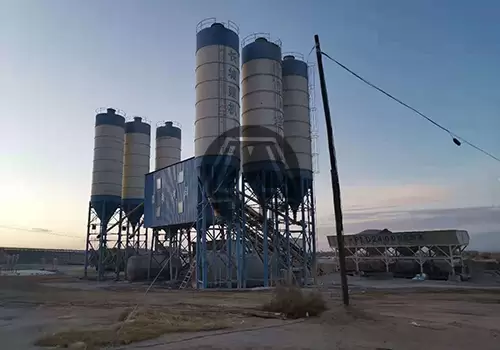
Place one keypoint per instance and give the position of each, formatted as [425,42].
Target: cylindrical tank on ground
[107,170]
[218,262]
[216,143]
[262,115]
[168,144]
[136,159]
[297,128]
[137,267]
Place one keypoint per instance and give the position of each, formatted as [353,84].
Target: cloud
[392,196]
[384,198]
[36,229]
[384,201]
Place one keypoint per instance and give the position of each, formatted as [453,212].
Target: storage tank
[217,123]
[219,260]
[297,128]
[138,265]
[136,157]
[262,116]
[108,163]
[168,144]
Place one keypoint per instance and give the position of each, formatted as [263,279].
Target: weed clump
[292,302]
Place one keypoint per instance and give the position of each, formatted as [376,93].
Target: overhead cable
[458,140]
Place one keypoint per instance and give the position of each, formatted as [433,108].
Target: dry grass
[292,302]
[143,325]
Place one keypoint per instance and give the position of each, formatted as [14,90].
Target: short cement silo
[136,160]
[262,117]
[168,144]
[107,170]
[297,129]
[216,143]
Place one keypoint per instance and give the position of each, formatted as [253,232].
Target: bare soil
[34,309]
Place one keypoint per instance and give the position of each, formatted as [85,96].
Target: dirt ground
[32,307]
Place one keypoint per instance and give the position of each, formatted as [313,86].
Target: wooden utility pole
[334,175]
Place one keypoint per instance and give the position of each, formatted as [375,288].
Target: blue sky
[60,60]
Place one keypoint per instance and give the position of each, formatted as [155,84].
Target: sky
[62,59]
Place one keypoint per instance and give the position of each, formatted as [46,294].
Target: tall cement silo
[136,160]
[217,112]
[297,128]
[168,144]
[262,117]
[107,170]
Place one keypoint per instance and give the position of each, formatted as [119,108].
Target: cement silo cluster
[122,153]
[240,212]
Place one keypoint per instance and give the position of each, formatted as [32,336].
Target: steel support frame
[136,239]
[136,236]
[219,246]
[104,245]
[263,238]
[289,248]
[176,240]
[293,243]
[303,236]
[389,254]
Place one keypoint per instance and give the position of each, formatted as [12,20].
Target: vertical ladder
[187,278]
[222,112]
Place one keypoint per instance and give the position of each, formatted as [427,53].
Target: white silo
[297,128]
[136,159]
[168,144]
[217,110]
[262,115]
[107,170]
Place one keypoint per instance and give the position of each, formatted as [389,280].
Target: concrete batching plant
[224,234]
[240,213]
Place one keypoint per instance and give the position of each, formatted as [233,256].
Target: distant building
[436,252]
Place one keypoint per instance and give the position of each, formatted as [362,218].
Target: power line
[456,138]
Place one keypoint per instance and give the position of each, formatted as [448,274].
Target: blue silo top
[217,34]
[168,130]
[137,126]
[293,66]
[110,118]
[261,48]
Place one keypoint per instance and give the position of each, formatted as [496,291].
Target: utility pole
[334,175]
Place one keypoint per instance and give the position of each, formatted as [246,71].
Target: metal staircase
[254,225]
[277,243]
